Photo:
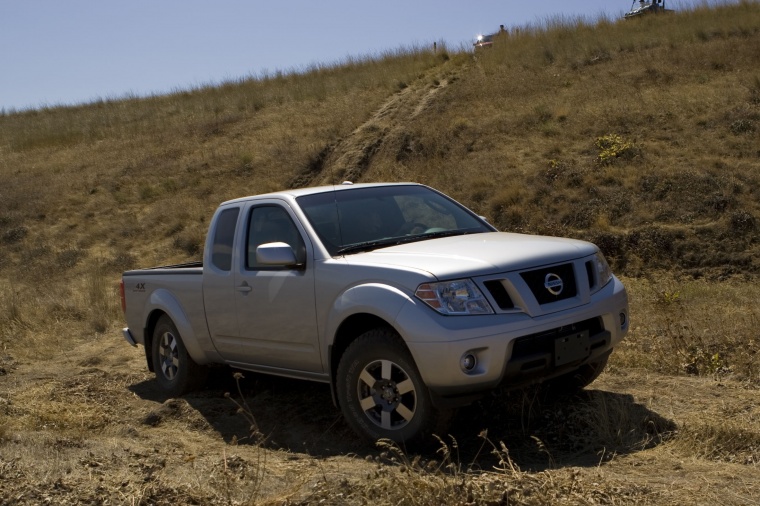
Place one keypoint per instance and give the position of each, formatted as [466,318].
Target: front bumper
[510,350]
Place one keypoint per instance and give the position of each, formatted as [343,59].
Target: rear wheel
[381,393]
[176,372]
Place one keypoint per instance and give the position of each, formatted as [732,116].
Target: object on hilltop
[653,7]
[483,41]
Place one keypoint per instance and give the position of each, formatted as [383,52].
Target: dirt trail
[349,158]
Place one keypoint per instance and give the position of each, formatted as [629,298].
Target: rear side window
[224,235]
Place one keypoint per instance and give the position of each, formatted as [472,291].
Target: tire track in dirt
[349,158]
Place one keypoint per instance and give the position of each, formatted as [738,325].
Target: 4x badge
[139,287]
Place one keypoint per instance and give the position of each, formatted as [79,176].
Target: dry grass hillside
[642,136]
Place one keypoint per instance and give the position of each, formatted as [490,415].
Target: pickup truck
[404,301]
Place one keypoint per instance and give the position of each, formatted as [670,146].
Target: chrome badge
[553,283]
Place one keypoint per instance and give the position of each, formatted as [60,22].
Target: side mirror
[276,254]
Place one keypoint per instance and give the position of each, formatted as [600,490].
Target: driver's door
[275,306]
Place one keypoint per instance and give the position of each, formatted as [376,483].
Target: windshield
[353,220]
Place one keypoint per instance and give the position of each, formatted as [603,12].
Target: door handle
[244,288]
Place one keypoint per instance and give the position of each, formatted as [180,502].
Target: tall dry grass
[694,327]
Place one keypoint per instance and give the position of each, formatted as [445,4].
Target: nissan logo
[553,283]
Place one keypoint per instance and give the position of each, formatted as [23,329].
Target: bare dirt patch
[91,427]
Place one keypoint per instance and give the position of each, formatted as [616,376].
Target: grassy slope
[518,133]
[93,190]
[515,136]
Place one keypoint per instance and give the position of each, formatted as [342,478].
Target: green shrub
[70,257]
[742,126]
[14,235]
[613,146]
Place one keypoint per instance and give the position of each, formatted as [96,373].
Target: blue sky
[61,52]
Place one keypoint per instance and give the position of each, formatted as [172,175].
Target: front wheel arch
[349,330]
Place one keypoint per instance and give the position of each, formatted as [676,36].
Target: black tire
[381,392]
[176,372]
[574,382]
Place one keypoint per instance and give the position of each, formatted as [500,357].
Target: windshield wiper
[367,246]
[395,241]
[445,233]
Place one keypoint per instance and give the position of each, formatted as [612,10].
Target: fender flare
[163,300]
[381,301]
[377,299]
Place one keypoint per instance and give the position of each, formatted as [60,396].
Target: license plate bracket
[571,348]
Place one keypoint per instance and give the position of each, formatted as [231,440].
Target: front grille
[590,274]
[499,293]
[538,279]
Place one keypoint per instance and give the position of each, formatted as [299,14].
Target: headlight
[602,270]
[459,297]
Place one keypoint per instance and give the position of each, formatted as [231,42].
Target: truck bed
[186,268]
[175,289]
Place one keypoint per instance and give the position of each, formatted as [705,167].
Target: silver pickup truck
[404,301]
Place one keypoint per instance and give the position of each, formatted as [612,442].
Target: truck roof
[298,192]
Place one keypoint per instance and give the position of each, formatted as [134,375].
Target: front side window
[268,224]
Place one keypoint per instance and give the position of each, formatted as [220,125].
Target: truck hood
[477,254]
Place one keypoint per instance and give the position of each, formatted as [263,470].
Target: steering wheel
[409,227]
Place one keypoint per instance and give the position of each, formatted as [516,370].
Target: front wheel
[382,394]
[176,372]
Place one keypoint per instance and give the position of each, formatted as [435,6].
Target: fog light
[623,320]
[468,362]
